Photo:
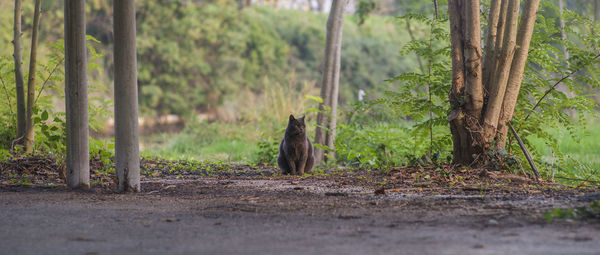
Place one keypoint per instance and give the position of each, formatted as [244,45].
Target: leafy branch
[48,78]
[557,83]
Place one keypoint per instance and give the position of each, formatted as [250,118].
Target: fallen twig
[525,151]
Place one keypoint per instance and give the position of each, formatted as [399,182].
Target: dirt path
[232,215]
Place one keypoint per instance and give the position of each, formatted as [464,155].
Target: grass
[581,147]
[257,117]
[204,142]
[241,142]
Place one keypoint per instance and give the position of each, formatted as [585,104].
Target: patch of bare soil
[192,207]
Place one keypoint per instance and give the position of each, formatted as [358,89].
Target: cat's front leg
[302,164]
[293,167]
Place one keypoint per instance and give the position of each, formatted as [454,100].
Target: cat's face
[296,126]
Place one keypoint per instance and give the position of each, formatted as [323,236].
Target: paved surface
[240,217]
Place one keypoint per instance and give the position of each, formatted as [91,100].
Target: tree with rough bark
[19,80]
[326,119]
[127,152]
[76,98]
[29,125]
[486,82]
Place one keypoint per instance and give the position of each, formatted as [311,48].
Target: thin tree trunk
[596,14]
[29,130]
[321,5]
[127,155]
[500,79]
[326,119]
[473,58]
[517,68]
[596,11]
[490,41]
[19,81]
[334,96]
[563,35]
[77,162]
[498,44]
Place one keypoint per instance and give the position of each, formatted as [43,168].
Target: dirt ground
[239,209]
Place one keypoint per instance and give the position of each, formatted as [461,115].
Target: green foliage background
[247,69]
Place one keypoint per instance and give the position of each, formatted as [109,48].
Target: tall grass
[244,121]
[581,146]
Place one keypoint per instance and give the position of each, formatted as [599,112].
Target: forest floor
[204,208]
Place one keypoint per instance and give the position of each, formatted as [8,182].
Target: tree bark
[77,162]
[321,5]
[490,41]
[474,132]
[500,79]
[473,58]
[563,35]
[127,154]
[517,69]
[19,81]
[463,125]
[29,129]
[493,65]
[326,119]
[596,11]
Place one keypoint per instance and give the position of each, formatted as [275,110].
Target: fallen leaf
[380,191]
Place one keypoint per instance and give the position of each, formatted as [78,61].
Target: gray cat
[295,151]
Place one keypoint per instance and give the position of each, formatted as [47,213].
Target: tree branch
[7,97]
[525,151]
[556,84]
[48,78]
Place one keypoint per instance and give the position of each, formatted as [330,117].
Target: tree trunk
[77,162]
[500,79]
[596,11]
[326,119]
[243,3]
[462,123]
[563,35]
[473,129]
[517,68]
[497,49]
[19,82]
[29,130]
[127,155]
[472,51]
[321,5]
[490,41]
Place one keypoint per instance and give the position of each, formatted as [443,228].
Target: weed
[585,212]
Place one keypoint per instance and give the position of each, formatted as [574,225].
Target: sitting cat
[295,151]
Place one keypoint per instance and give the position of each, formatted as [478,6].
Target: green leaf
[44,116]
[314,98]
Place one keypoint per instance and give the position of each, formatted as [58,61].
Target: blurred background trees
[231,71]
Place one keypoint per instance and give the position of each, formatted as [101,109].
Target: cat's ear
[292,117]
[302,119]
